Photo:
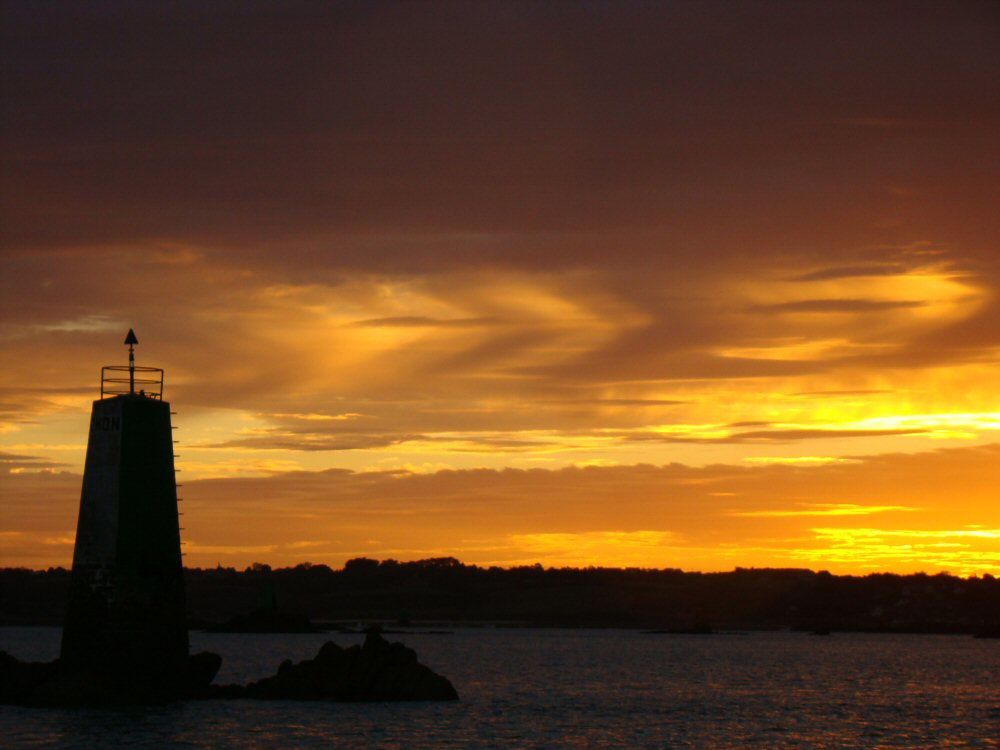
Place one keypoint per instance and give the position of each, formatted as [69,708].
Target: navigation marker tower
[126,610]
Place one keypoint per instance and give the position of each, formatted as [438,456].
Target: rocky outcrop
[20,679]
[55,683]
[375,671]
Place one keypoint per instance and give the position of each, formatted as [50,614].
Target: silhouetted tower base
[126,607]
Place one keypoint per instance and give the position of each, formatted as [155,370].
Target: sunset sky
[692,284]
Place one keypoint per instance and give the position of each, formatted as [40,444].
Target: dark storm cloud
[333,128]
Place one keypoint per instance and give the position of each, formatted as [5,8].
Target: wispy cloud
[848,272]
[823,509]
[418,321]
[837,306]
[797,460]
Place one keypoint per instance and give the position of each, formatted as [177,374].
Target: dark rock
[57,684]
[20,679]
[376,671]
[202,668]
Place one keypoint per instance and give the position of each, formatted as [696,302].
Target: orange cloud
[706,518]
[588,251]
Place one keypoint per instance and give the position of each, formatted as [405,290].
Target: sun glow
[967,551]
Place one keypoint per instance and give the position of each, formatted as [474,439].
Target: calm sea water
[578,688]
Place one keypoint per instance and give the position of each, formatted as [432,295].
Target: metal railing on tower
[150,380]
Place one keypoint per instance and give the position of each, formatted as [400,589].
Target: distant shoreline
[443,592]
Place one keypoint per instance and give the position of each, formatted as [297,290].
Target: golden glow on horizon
[961,551]
[352,351]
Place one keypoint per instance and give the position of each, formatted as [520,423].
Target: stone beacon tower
[126,613]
